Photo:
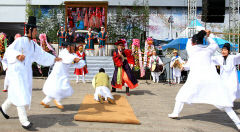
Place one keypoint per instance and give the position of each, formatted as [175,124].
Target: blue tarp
[180,43]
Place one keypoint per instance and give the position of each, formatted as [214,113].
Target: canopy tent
[180,43]
[198,26]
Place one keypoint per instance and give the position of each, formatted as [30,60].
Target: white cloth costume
[102,90]
[20,74]
[83,75]
[4,64]
[228,73]
[204,84]
[57,85]
[176,71]
[155,59]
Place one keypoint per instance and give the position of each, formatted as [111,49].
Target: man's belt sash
[102,39]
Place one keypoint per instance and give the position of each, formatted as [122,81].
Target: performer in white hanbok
[228,70]
[102,85]
[156,66]
[57,85]
[203,84]
[20,56]
[4,63]
[175,64]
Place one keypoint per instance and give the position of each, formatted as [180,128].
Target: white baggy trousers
[179,106]
[20,109]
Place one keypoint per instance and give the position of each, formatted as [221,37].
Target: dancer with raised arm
[203,84]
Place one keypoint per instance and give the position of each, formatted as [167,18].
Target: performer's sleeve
[94,82]
[213,46]
[4,62]
[180,60]
[215,60]
[189,44]
[117,60]
[99,35]
[186,66]
[13,51]
[237,59]
[109,83]
[130,57]
[43,58]
[68,58]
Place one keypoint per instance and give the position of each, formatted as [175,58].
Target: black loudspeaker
[213,11]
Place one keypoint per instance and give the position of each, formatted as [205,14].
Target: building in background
[13,12]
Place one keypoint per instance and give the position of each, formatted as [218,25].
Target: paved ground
[150,102]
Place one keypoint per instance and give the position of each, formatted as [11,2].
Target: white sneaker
[173,116]
[77,81]
[84,81]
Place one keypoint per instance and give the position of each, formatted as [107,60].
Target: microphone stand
[169,69]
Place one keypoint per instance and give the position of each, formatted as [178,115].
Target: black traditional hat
[227,46]
[31,22]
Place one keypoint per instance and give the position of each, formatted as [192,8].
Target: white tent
[198,27]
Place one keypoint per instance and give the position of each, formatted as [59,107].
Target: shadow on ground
[215,116]
[48,120]
[138,92]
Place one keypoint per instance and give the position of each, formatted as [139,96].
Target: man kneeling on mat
[101,83]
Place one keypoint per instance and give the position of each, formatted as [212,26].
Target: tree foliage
[129,22]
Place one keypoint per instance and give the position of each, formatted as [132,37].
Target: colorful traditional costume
[62,37]
[82,71]
[102,41]
[90,44]
[123,73]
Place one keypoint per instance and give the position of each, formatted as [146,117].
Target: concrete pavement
[150,102]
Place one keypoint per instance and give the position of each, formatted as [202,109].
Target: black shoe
[127,89]
[5,115]
[113,89]
[28,127]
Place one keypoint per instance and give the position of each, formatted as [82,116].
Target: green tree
[129,22]
[29,10]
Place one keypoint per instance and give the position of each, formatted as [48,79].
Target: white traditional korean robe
[203,84]
[176,71]
[228,73]
[20,73]
[4,64]
[57,85]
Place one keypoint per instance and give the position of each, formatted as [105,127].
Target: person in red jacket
[83,71]
[123,73]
